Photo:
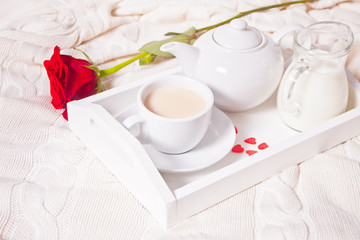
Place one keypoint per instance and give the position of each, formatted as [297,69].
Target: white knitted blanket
[52,187]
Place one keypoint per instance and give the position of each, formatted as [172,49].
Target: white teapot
[240,64]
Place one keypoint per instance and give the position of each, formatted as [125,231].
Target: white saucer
[217,142]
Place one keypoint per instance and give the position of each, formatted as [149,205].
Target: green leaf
[149,58]
[190,32]
[87,57]
[94,68]
[154,47]
[171,33]
[192,41]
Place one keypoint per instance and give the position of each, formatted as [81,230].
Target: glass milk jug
[314,87]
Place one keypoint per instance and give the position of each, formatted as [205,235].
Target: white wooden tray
[173,197]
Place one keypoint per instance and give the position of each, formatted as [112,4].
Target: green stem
[241,14]
[99,86]
[109,71]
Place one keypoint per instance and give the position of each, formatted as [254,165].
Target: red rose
[70,79]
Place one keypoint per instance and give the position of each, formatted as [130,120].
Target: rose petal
[250,152]
[70,79]
[263,146]
[237,149]
[250,141]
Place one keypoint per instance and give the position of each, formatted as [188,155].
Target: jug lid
[237,35]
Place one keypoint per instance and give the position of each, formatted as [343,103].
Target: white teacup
[175,112]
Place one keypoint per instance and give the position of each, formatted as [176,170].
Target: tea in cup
[175,112]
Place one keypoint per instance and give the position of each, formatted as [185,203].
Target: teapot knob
[237,35]
[238,24]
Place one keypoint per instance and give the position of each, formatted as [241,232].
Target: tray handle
[91,121]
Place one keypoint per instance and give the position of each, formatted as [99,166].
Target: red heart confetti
[262,146]
[250,152]
[236,131]
[237,149]
[250,140]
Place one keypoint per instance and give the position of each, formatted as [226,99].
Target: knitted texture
[53,187]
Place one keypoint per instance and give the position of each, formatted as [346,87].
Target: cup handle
[131,121]
[292,77]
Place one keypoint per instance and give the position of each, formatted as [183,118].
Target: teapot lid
[237,35]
